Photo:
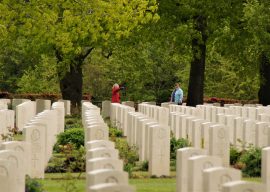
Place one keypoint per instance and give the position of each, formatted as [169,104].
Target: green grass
[56,183]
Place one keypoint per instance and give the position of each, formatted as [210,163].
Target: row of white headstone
[106,107]
[151,135]
[208,173]
[193,123]
[198,172]
[104,169]
[24,111]
[30,156]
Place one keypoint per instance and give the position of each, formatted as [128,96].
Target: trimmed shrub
[251,160]
[177,144]
[234,155]
[114,132]
[73,136]
[32,185]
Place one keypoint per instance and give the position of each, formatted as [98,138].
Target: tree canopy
[214,48]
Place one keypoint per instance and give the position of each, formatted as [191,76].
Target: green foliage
[73,121]
[252,162]
[69,159]
[41,78]
[73,136]
[234,155]
[177,144]
[129,154]
[33,185]
[69,184]
[114,132]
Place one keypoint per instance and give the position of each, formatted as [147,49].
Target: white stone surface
[196,165]
[182,170]
[102,152]
[7,176]
[265,167]
[205,134]
[16,102]
[96,132]
[60,108]
[101,176]
[159,154]
[42,104]
[99,144]
[104,163]
[67,106]
[215,177]
[243,186]
[24,151]
[262,134]
[219,143]
[15,159]
[147,138]
[249,133]
[238,132]
[142,138]
[163,116]
[36,135]
[106,105]
[24,113]
[111,187]
[197,133]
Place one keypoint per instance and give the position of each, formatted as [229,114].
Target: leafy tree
[41,78]
[256,18]
[70,30]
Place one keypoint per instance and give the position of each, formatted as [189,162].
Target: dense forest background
[214,48]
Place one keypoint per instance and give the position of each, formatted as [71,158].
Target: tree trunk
[196,76]
[71,86]
[264,91]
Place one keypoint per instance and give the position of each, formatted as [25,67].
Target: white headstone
[102,152]
[111,187]
[7,176]
[36,135]
[99,144]
[243,186]
[219,143]
[182,170]
[215,177]
[42,104]
[262,134]
[16,159]
[196,165]
[101,176]
[159,156]
[96,132]
[104,163]
[265,167]
[23,149]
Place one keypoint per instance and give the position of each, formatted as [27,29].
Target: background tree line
[214,48]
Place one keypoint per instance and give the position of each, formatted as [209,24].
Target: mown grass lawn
[58,183]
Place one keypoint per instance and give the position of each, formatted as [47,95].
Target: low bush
[73,136]
[129,154]
[69,159]
[114,132]
[177,144]
[251,160]
[235,155]
[32,185]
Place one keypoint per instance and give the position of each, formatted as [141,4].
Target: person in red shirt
[115,93]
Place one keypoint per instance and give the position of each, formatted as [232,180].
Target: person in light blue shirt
[177,95]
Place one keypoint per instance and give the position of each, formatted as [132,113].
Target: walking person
[177,95]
